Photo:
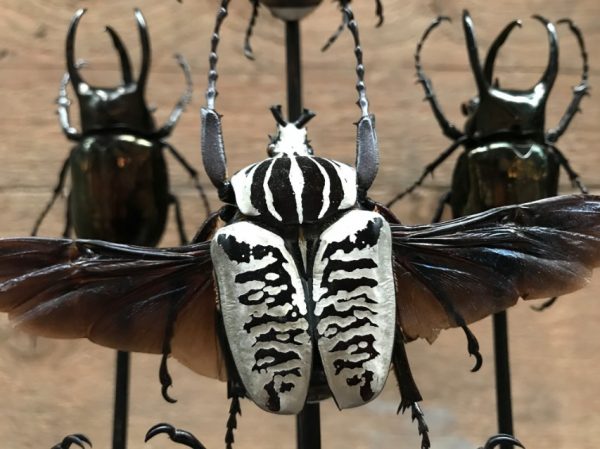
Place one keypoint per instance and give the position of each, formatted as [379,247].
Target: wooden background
[64,387]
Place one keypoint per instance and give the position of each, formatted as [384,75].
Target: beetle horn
[482,84]
[549,75]
[488,69]
[367,149]
[145,42]
[278,115]
[123,56]
[304,118]
[70,49]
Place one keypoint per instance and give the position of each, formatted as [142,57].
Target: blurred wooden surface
[65,387]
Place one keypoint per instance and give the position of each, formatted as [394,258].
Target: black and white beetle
[308,289]
[508,157]
[292,10]
[119,180]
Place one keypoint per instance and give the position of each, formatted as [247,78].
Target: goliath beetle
[508,157]
[119,181]
[290,10]
[301,287]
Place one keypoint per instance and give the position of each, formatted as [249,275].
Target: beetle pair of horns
[300,122]
[483,77]
[72,67]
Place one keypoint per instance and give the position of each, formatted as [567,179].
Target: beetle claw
[76,438]
[501,438]
[175,435]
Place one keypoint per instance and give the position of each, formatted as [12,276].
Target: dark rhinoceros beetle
[119,181]
[508,157]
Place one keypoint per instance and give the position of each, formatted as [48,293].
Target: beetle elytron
[120,188]
[319,288]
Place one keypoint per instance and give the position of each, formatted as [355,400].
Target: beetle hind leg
[409,392]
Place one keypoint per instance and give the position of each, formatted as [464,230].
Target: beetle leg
[193,174]
[179,218]
[339,30]
[579,92]
[409,392]
[176,435]
[64,105]
[573,175]
[55,193]
[502,438]
[546,304]
[247,47]
[444,199]
[449,130]
[68,220]
[184,100]
[76,438]
[429,169]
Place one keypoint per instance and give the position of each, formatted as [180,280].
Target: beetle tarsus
[234,410]
[573,175]
[183,101]
[249,30]
[499,439]
[344,4]
[545,305]
[76,438]
[473,348]
[176,435]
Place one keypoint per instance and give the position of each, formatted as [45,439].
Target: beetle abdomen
[501,174]
[295,190]
[119,190]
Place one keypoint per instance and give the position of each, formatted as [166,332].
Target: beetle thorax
[291,141]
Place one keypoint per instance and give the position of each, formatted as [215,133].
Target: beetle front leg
[449,130]
[193,174]
[68,220]
[184,100]
[55,193]
[444,199]
[76,438]
[573,175]
[579,92]
[409,392]
[64,104]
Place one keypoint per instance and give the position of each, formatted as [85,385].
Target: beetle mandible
[300,288]
[295,10]
[119,180]
[508,157]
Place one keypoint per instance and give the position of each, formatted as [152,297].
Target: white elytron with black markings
[303,273]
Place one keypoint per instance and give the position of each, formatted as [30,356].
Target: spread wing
[453,273]
[125,297]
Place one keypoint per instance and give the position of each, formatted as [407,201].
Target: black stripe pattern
[295,189]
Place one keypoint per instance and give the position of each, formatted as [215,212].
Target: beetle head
[123,106]
[496,110]
[291,138]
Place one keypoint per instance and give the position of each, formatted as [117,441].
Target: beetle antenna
[74,75]
[247,47]
[490,59]
[482,84]
[304,118]
[123,56]
[549,75]
[145,42]
[278,115]
[363,102]
[211,91]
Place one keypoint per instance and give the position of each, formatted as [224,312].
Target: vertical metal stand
[503,393]
[121,401]
[308,421]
